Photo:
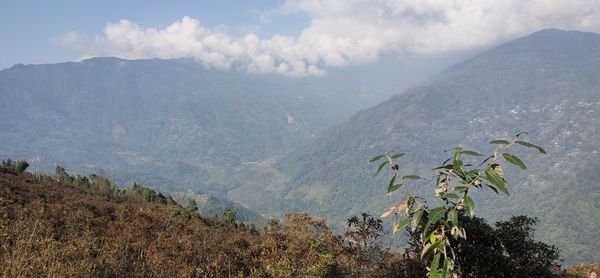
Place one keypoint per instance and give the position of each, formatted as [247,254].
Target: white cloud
[344,32]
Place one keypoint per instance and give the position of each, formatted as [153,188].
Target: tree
[360,244]
[364,231]
[526,257]
[440,227]
[229,217]
[508,250]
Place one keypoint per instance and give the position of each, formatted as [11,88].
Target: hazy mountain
[167,121]
[547,83]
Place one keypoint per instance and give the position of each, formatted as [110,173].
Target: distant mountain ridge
[170,123]
[547,83]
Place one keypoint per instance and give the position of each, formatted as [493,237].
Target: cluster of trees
[18,166]
[102,186]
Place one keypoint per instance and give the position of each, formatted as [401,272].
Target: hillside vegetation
[61,226]
[50,228]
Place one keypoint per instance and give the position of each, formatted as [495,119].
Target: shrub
[21,166]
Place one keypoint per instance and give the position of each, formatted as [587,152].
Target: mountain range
[275,144]
[547,84]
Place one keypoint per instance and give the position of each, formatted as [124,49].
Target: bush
[21,166]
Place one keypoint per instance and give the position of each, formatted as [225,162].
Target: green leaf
[469,205]
[432,238]
[375,158]
[434,216]
[461,188]
[380,167]
[472,174]
[401,224]
[457,152]
[500,142]
[514,160]
[429,247]
[411,177]
[453,217]
[493,177]
[397,155]
[393,187]
[458,167]
[450,196]
[473,153]
[434,272]
[416,219]
[529,145]
[448,268]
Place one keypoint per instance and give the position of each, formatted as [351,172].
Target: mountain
[170,123]
[547,83]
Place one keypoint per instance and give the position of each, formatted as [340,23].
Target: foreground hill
[72,226]
[81,229]
[547,83]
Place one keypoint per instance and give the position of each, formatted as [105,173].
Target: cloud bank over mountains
[342,33]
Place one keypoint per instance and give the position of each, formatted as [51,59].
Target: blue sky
[290,37]
[28,28]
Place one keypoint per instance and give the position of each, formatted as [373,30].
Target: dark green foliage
[18,166]
[526,257]
[21,166]
[508,250]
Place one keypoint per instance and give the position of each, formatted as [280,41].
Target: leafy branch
[454,180]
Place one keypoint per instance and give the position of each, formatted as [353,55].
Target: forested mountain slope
[547,83]
[171,123]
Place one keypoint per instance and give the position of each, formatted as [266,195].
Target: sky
[290,37]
